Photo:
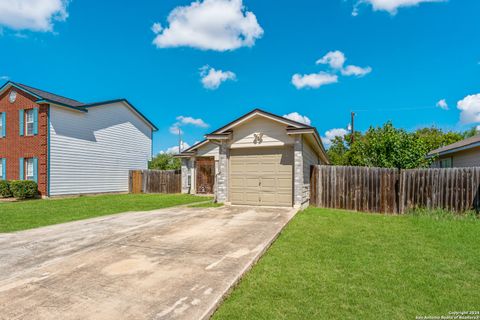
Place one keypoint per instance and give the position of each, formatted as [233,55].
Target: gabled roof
[292,126]
[465,144]
[51,98]
[266,114]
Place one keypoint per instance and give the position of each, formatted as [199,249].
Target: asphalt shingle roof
[51,96]
[460,144]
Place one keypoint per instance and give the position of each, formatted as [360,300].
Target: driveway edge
[218,302]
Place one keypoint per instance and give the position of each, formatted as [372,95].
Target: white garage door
[261,176]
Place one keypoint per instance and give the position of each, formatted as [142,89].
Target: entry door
[261,176]
[205,168]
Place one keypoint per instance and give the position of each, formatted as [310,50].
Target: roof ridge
[55,94]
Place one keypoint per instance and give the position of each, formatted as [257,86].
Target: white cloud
[156,28]
[352,70]
[212,79]
[35,15]
[197,122]
[175,149]
[295,116]
[4,78]
[335,59]
[219,25]
[442,104]
[392,6]
[331,134]
[183,121]
[314,80]
[470,109]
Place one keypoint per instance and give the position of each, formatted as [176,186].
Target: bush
[24,189]
[5,189]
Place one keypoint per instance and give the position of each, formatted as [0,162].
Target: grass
[23,215]
[209,204]
[331,264]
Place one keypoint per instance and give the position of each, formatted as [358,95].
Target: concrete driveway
[172,263]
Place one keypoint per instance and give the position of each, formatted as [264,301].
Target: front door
[205,168]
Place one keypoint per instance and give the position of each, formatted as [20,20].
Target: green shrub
[24,189]
[5,189]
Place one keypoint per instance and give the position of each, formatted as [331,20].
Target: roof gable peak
[259,112]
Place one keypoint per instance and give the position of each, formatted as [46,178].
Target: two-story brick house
[70,147]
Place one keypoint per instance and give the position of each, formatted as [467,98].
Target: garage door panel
[252,182]
[236,182]
[268,198]
[284,183]
[261,176]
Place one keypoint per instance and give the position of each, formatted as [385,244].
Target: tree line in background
[164,161]
[391,147]
[385,146]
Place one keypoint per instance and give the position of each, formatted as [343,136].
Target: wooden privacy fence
[395,191]
[154,181]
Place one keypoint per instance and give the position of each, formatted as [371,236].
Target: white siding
[309,158]
[274,134]
[93,152]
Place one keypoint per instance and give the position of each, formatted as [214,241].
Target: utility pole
[352,126]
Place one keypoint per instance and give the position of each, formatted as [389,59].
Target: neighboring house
[69,147]
[258,159]
[465,153]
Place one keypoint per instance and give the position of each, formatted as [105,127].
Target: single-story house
[69,147]
[259,159]
[464,153]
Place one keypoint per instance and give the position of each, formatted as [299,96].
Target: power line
[391,109]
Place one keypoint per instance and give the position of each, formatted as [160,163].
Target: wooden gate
[155,181]
[205,168]
[136,181]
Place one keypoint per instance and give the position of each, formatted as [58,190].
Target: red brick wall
[14,146]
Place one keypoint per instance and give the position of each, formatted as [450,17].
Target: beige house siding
[274,134]
[208,150]
[467,158]
[261,161]
[464,158]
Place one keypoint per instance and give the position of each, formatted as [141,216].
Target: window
[2,125]
[29,169]
[2,169]
[29,122]
[446,163]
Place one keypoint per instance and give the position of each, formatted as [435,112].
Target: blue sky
[401,59]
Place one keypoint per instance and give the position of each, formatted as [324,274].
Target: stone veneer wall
[298,172]
[222,178]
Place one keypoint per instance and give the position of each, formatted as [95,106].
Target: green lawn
[331,264]
[36,213]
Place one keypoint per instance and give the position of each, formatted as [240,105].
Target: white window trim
[27,122]
[28,162]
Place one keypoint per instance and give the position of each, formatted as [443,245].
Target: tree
[390,147]
[164,161]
